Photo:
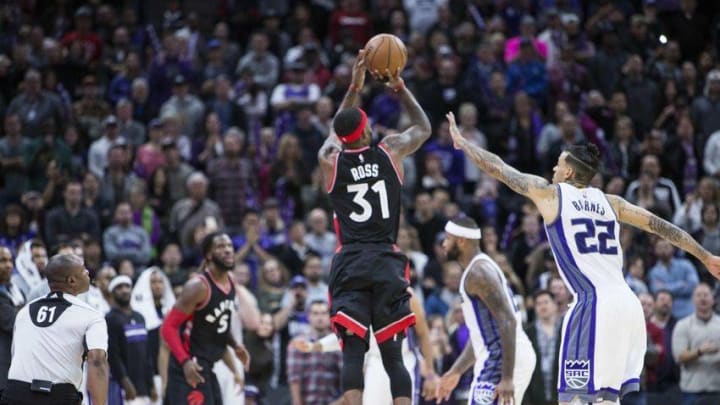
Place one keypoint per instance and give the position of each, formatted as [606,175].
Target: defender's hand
[454,131]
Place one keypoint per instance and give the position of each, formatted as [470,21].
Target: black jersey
[365,195]
[211,322]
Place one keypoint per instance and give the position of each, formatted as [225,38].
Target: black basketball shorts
[180,392]
[369,287]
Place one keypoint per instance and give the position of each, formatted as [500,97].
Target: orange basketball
[385,51]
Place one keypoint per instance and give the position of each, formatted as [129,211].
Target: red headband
[357,133]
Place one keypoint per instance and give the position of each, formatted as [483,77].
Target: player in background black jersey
[197,329]
[368,279]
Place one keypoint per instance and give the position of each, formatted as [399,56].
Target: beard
[453,254]
[221,265]
[122,301]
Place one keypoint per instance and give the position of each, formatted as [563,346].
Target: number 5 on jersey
[367,209]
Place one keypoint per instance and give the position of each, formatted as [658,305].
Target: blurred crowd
[132,129]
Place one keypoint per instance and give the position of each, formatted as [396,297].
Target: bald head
[61,265]
[66,272]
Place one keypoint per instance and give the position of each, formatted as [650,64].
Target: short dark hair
[318,302]
[209,241]
[585,160]
[537,294]
[466,222]
[60,266]
[346,121]
[37,243]
[663,291]
[310,256]
[71,183]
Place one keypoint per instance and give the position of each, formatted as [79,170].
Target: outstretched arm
[534,187]
[641,218]
[410,140]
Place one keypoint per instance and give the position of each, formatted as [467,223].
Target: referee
[53,335]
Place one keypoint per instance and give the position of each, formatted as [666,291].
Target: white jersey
[585,239]
[486,342]
[603,335]
[51,337]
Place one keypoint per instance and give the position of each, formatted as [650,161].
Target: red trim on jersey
[336,225]
[358,150]
[398,173]
[343,319]
[357,132]
[396,248]
[225,290]
[204,303]
[394,328]
[334,176]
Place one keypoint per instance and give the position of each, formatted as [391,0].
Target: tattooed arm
[534,187]
[484,283]
[410,140]
[641,218]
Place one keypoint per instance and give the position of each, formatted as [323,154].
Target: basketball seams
[375,51]
[394,58]
[389,54]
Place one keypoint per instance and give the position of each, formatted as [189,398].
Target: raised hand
[454,131]
[358,70]
[713,266]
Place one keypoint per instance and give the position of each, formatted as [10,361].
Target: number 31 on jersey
[359,191]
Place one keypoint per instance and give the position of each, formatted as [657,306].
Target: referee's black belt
[41,391]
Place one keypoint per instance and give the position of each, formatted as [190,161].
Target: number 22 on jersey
[595,236]
[360,190]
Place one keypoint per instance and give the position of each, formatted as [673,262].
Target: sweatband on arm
[170,331]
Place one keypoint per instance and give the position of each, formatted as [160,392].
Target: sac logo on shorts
[577,373]
[484,393]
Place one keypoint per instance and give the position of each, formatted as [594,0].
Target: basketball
[385,51]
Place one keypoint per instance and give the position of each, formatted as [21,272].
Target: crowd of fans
[131,132]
